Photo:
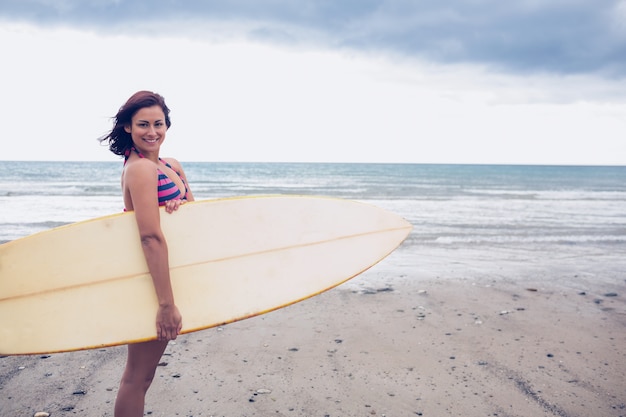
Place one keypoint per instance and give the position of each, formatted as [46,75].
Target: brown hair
[119,140]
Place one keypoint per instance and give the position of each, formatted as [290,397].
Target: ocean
[449,205]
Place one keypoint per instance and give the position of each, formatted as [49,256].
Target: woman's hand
[169,322]
[172,205]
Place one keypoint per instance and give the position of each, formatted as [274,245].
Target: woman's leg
[141,365]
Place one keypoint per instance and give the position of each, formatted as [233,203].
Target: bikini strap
[132,148]
[127,154]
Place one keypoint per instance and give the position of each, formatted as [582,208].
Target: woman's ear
[127,128]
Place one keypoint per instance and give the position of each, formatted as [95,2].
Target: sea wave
[500,239]
[447,204]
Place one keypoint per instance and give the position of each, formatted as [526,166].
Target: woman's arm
[140,179]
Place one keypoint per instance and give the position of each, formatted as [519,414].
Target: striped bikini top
[167,189]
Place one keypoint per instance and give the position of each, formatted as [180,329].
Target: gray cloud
[523,36]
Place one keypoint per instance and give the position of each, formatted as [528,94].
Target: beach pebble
[42,414]
[610,294]
[503,312]
[263,391]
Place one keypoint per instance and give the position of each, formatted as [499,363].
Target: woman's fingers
[169,323]
[173,205]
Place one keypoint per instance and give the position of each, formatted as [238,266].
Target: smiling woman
[148,182]
[133,120]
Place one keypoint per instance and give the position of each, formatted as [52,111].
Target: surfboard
[86,285]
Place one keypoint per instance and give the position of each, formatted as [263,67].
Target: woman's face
[147,129]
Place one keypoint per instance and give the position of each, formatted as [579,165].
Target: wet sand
[441,332]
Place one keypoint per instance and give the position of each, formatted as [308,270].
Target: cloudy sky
[424,81]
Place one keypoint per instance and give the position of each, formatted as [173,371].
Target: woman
[147,183]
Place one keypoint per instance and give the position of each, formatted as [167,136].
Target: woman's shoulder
[139,167]
[174,163]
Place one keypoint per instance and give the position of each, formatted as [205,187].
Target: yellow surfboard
[86,285]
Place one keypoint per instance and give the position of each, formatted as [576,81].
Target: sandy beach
[441,332]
